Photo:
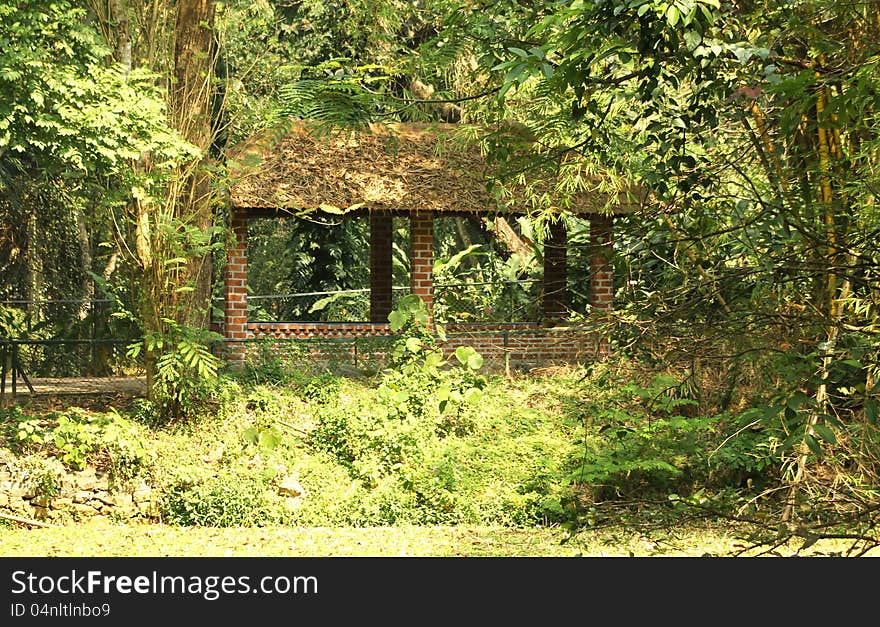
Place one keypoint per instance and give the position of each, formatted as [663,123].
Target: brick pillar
[602,271]
[421,256]
[381,233]
[555,303]
[236,289]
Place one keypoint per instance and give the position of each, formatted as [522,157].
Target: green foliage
[186,372]
[227,500]
[315,254]
[322,388]
[419,380]
[143,411]
[508,466]
[748,455]
[418,446]
[643,442]
[12,322]
[263,435]
[272,364]
[63,107]
[77,438]
[43,475]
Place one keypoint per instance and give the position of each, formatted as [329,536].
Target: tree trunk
[123,35]
[191,111]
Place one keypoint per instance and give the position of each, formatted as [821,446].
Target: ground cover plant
[610,459]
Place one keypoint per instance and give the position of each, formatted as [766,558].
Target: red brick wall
[515,346]
[235,323]
[602,271]
[306,330]
[421,242]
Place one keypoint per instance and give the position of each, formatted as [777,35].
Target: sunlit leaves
[65,108]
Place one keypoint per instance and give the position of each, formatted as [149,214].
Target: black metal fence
[486,301]
[65,338]
[330,306]
[89,338]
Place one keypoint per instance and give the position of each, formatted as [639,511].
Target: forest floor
[66,386]
[644,534]
[100,539]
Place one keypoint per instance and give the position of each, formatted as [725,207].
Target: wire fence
[89,337]
[486,301]
[331,306]
[66,338]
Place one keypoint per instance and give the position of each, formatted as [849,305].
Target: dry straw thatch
[394,167]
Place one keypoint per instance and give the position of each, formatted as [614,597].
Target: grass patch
[422,461]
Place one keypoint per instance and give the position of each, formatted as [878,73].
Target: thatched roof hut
[394,167]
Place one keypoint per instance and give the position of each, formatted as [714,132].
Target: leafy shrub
[77,438]
[748,451]
[273,363]
[126,455]
[143,411]
[185,379]
[643,441]
[322,388]
[43,475]
[228,500]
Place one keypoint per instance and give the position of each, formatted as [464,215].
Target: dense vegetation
[746,320]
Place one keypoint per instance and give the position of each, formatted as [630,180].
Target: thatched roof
[396,167]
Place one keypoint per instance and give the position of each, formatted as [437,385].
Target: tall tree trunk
[191,111]
[123,34]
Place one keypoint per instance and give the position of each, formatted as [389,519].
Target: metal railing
[481,301]
[63,338]
[487,301]
[330,306]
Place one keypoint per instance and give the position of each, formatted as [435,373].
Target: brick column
[555,303]
[236,289]
[421,256]
[381,233]
[602,271]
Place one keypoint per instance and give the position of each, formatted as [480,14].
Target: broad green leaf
[434,358]
[462,353]
[269,439]
[871,410]
[825,433]
[472,396]
[813,444]
[410,303]
[421,316]
[692,38]
[397,320]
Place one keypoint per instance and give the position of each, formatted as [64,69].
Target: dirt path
[78,386]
